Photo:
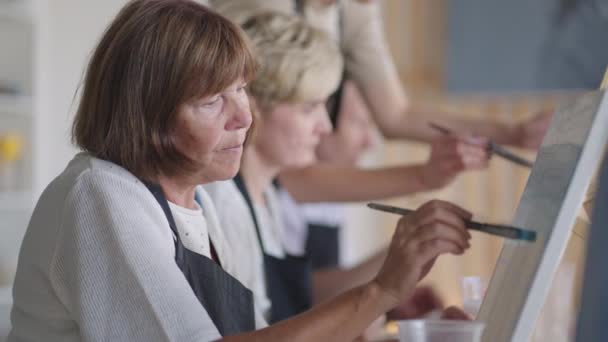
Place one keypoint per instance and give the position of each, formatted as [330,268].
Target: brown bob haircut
[154,56]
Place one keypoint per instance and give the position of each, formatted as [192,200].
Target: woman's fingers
[441,231]
[456,154]
[438,221]
[435,228]
[456,313]
[445,212]
[428,250]
[465,214]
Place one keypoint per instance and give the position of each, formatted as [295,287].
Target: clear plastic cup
[421,330]
[473,291]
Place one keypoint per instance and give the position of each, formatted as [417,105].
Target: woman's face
[211,131]
[288,135]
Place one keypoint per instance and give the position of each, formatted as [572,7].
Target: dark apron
[323,245]
[228,302]
[288,280]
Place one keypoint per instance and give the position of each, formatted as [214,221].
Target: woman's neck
[178,191]
[257,173]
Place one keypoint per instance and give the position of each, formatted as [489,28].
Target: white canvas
[571,150]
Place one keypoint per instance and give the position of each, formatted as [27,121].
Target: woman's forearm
[330,283]
[331,183]
[341,319]
[398,117]
[414,125]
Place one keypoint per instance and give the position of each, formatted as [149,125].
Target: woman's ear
[253,104]
[257,109]
[250,136]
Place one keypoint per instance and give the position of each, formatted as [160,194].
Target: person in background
[313,229]
[118,249]
[357,26]
[299,67]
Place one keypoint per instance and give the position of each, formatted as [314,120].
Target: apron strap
[240,184]
[213,253]
[158,194]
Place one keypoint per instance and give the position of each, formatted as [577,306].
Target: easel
[588,203]
[550,203]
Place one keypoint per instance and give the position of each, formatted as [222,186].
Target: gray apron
[228,302]
[323,245]
[288,280]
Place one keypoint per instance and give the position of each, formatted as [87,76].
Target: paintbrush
[493,229]
[493,147]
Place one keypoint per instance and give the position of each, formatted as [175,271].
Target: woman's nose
[324,124]
[239,113]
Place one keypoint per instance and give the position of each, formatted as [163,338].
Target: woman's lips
[235,148]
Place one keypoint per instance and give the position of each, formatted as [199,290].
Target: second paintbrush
[494,229]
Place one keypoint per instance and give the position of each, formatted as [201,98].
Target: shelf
[16,200]
[15,10]
[15,105]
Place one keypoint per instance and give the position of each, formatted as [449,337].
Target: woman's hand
[530,133]
[451,155]
[426,301]
[423,301]
[435,228]
[456,313]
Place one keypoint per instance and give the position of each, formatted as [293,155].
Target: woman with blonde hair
[299,68]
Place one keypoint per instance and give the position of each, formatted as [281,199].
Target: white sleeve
[114,266]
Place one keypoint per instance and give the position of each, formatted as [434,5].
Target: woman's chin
[232,173]
[227,173]
[302,162]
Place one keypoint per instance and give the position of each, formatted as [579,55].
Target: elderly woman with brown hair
[118,249]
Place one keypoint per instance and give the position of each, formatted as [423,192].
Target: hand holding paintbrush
[493,229]
[451,155]
[493,148]
[436,228]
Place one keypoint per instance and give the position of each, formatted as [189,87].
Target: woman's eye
[213,102]
[311,107]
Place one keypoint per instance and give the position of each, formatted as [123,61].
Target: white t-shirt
[235,216]
[192,228]
[98,263]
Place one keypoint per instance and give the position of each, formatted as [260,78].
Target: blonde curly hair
[297,63]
